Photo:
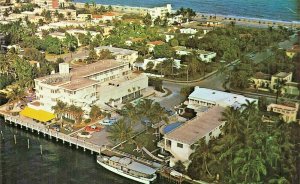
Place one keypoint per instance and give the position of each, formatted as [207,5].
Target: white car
[108,121]
[84,135]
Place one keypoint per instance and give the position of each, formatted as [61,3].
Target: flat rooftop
[77,78]
[261,75]
[78,83]
[116,50]
[219,97]
[195,129]
[97,67]
[281,74]
[204,52]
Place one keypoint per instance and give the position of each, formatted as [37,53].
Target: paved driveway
[175,98]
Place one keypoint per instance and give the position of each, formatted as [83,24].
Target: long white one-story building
[203,97]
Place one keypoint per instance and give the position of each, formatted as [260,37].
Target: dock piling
[41,149]
[27,143]
[15,138]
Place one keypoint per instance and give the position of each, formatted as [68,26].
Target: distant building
[203,97]
[34,63]
[63,24]
[105,81]
[175,19]
[48,4]
[293,51]
[69,14]
[205,56]
[160,11]
[188,31]
[169,37]
[59,35]
[288,111]
[182,141]
[120,54]
[153,44]
[133,40]
[266,82]
[210,23]
[155,63]
[84,17]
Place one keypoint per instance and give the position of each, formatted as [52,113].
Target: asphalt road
[212,82]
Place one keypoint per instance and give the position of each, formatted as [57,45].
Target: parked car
[56,128]
[84,135]
[92,128]
[108,121]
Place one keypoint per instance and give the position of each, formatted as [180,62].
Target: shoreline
[297,22]
[248,18]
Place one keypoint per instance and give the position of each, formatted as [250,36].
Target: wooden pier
[52,134]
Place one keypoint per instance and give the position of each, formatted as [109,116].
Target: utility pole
[187,74]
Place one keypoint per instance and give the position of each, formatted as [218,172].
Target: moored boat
[128,168]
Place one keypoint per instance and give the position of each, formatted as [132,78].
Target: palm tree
[204,153]
[231,116]
[193,65]
[71,43]
[16,95]
[95,112]
[131,112]
[251,168]
[120,132]
[279,86]
[60,109]
[76,113]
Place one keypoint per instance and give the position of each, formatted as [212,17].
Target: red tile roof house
[151,45]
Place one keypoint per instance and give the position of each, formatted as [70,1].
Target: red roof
[97,16]
[109,14]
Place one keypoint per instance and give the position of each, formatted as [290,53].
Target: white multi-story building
[94,84]
[203,97]
[160,11]
[181,142]
[120,54]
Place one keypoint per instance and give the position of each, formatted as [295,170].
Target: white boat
[128,168]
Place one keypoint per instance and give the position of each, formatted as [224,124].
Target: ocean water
[285,10]
[59,164]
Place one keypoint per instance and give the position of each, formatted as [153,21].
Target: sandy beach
[247,21]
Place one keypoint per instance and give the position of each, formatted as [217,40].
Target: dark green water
[59,164]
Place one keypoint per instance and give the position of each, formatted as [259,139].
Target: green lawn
[146,139]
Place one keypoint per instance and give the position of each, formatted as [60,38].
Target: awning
[39,115]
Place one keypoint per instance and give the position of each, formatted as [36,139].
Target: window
[179,145]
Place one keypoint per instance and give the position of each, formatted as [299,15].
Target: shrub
[68,119]
[87,120]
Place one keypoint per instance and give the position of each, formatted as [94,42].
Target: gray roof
[114,159]
[125,161]
[141,168]
[132,165]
